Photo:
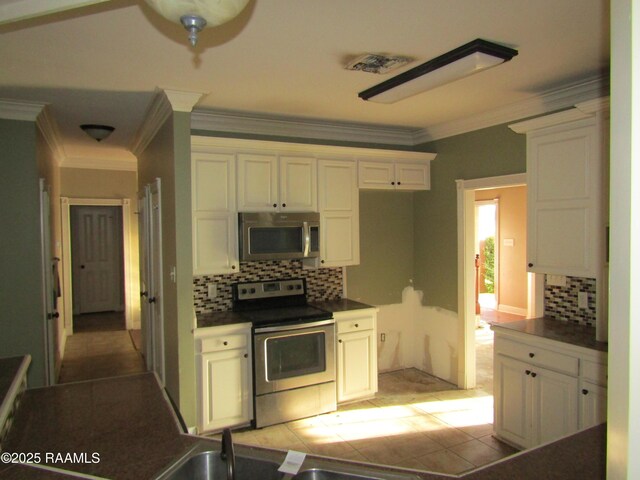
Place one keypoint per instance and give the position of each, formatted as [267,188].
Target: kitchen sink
[320,474]
[208,465]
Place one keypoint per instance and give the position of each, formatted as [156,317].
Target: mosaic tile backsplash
[322,283]
[561,303]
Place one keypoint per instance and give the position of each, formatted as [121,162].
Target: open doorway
[487,269]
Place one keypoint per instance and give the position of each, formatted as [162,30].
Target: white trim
[20,110]
[49,129]
[512,310]
[120,164]
[182,101]
[65,214]
[466,269]
[233,145]
[297,127]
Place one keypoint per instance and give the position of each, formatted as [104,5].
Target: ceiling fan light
[214,12]
[97,132]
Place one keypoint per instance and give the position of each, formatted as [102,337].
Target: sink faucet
[226,453]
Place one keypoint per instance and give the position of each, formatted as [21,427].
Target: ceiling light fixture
[194,15]
[461,62]
[97,132]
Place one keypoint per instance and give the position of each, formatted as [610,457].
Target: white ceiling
[103,63]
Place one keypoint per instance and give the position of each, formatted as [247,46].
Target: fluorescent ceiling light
[466,60]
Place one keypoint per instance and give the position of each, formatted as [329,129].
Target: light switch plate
[556,280]
[583,300]
[212,291]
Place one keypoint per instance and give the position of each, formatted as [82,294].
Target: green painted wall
[21,315]
[168,156]
[386,248]
[483,153]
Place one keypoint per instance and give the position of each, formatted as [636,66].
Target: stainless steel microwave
[278,236]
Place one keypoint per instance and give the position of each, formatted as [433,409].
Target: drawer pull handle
[534,374]
[528,372]
[225,343]
[531,355]
[585,391]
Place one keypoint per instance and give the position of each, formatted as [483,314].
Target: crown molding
[96,163]
[49,128]
[550,101]
[182,101]
[295,127]
[20,110]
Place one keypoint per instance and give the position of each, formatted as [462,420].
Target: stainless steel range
[294,368]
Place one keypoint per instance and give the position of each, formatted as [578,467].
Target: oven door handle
[295,326]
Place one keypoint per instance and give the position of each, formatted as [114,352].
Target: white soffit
[15,10]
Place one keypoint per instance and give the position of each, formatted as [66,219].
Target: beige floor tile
[445,461]
[477,452]
[496,444]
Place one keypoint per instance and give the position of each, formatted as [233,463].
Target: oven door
[294,356]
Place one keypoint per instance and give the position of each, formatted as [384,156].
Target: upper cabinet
[276,183]
[214,223]
[566,170]
[394,175]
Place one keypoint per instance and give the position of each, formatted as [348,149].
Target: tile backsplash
[322,283]
[561,303]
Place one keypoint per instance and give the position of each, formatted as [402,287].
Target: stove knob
[243,291]
[290,287]
[253,290]
[299,287]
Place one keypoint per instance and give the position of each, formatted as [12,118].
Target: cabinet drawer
[223,342]
[355,324]
[538,356]
[594,372]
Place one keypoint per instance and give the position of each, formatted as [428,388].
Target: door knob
[82,266]
[152,299]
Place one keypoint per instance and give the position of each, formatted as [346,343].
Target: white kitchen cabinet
[214,222]
[357,366]
[274,183]
[339,213]
[538,388]
[393,175]
[566,161]
[224,378]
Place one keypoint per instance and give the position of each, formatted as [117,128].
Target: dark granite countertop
[571,333]
[129,422]
[217,319]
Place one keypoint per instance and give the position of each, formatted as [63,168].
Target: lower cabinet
[542,391]
[357,366]
[224,382]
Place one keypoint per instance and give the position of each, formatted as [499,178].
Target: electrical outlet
[383,337]
[212,291]
[583,300]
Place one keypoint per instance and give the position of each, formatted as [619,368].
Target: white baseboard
[512,310]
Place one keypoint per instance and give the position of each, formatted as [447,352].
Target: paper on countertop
[292,462]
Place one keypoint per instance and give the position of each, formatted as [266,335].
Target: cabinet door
[225,395]
[339,213]
[563,170]
[379,175]
[356,365]
[412,176]
[555,405]
[213,182]
[512,400]
[215,249]
[298,184]
[257,183]
[593,404]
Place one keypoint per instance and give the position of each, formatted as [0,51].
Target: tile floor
[100,352]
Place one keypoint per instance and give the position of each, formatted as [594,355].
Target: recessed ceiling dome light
[97,132]
[377,63]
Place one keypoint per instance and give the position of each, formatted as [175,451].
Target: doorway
[467,190]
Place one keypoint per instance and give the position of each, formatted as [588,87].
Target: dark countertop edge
[555,330]
[14,388]
[219,319]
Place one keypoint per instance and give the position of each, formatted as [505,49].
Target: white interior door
[49,296]
[97,259]
[144,222]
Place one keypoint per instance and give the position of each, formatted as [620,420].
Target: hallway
[99,348]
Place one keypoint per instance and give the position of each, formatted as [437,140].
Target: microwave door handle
[307,239]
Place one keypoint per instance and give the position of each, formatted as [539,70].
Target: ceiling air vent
[375,63]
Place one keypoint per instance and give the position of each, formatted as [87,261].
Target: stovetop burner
[276,302]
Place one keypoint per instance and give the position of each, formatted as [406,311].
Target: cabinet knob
[339,341]
[528,372]
[275,205]
[585,391]
[531,354]
[399,183]
[534,374]
[530,265]
[321,261]
[233,267]
[284,205]
[246,355]
[225,343]
[356,325]
[393,183]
